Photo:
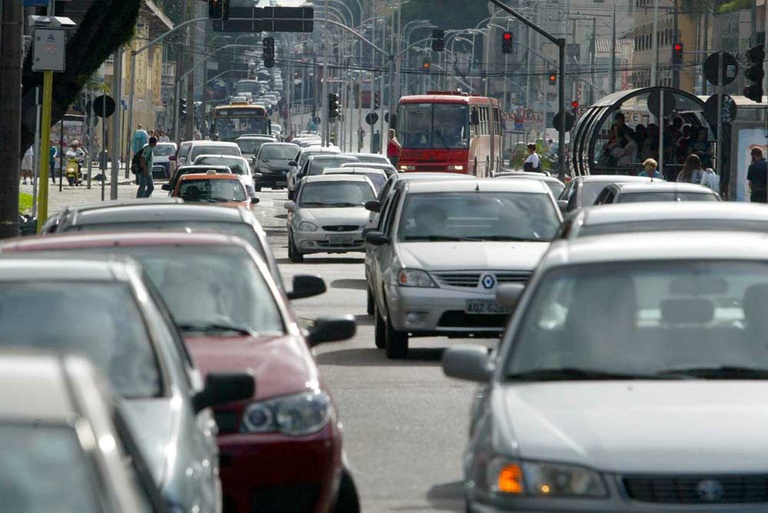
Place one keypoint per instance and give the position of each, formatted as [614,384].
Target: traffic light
[438,40]
[376,103]
[269,52]
[677,53]
[755,73]
[575,108]
[506,42]
[333,106]
[425,66]
[182,109]
[218,9]
[552,78]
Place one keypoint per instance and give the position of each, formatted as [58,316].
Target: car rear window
[215,150]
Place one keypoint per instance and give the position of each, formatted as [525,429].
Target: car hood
[640,426]
[350,215]
[282,365]
[156,444]
[440,256]
[276,163]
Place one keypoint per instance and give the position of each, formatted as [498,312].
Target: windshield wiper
[576,374]
[214,327]
[722,372]
[509,238]
[310,204]
[438,238]
[218,199]
[342,204]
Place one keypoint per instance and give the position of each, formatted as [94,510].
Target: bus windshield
[433,125]
[232,123]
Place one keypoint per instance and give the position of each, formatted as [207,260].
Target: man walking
[360,139]
[146,185]
[756,177]
[140,139]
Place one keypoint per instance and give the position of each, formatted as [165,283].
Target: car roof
[612,178]
[354,169]
[336,178]
[655,246]
[89,240]
[150,213]
[158,200]
[480,185]
[219,156]
[166,143]
[208,176]
[659,186]
[204,167]
[15,268]
[664,210]
[376,165]
[432,175]
[529,176]
[215,143]
[268,138]
[275,143]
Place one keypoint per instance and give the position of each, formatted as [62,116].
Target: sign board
[74,130]
[371,118]
[568,121]
[104,106]
[729,109]
[270,19]
[730,68]
[50,50]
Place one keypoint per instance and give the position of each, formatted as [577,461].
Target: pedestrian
[692,171]
[27,165]
[377,142]
[163,137]
[311,125]
[360,139]
[756,177]
[532,162]
[52,154]
[393,147]
[146,185]
[650,169]
[140,138]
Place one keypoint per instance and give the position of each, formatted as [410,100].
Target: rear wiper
[213,327]
[722,372]
[576,374]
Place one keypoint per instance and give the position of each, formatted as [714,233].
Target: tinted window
[163,150]
[99,320]
[427,125]
[590,190]
[237,166]
[250,146]
[639,197]
[335,194]
[213,150]
[316,166]
[212,191]
[278,152]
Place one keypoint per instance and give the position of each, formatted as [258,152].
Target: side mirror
[172,158]
[306,285]
[254,200]
[469,363]
[293,163]
[289,205]
[508,294]
[166,187]
[222,388]
[563,204]
[256,175]
[376,238]
[373,205]
[332,329]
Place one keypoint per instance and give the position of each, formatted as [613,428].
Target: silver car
[631,378]
[442,250]
[328,215]
[107,311]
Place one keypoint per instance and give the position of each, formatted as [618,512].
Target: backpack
[136,161]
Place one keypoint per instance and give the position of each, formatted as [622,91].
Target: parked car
[55,406]
[272,162]
[658,191]
[443,249]
[555,185]
[328,215]
[107,312]
[627,358]
[233,317]
[582,191]
[223,189]
[238,166]
[161,154]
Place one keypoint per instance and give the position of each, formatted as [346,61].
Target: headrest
[687,311]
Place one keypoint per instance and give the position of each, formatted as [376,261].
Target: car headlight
[293,415]
[415,278]
[306,226]
[456,168]
[408,168]
[541,479]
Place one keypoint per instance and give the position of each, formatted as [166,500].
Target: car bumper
[322,241]
[273,472]
[273,179]
[440,311]
[161,171]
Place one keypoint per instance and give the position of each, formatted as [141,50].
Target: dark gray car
[272,162]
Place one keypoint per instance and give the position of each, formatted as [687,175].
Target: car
[277,131]
[626,359]
[294,167]
[180,158]
[58,406]
[657,191]
[582,191]
[233,316]
[212,148]
[315,164]
[240,222]
[107,311]
[664,216]
[272,162]
[371,158]
[328,215]
[555,185]
[250,144]
[238,165]
[443,249]
[389,169]
[194,169]
[52,223]
[377,177]
[161,154]
[306,142]
[223,189]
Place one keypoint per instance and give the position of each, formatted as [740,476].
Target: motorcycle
[74,172]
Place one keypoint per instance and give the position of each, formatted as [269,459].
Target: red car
[282,450]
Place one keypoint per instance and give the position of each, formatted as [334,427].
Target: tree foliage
[106,26]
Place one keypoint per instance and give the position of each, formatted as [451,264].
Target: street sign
[103,106]
[270,19]
[730,68]
[654,101]
[50,50]
[729,109]
[568,121]
[371,118]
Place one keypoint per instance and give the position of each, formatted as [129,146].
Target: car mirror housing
[332,329]
[376,238]
[563,204]
[222,388]
[307,285]
[254,200]
[373,205]
[166,187]
[508,294]
[469,363]
[289,205]
[293,163]
[172,158]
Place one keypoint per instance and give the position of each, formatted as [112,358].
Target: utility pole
[655,45]
[592,61]
[613,48]
[676,32]
[115,135]
[10,113]
[189,129]
[326,56]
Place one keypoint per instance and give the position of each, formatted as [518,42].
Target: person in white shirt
[532,163]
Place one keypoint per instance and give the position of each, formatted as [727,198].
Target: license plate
[281,182]
[485,306]
[341,239]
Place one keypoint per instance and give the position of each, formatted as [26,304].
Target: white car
[328,215]
[238,166]
[377,177]
[161,163]
[295,165]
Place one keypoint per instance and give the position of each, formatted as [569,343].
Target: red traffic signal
[575,104]
[425,67]
[218,9]
[677,53]
[553,78]
[506,42]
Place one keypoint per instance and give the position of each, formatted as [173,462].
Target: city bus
[232,121]
[450,131]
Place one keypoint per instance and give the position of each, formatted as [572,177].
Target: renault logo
[488,281]
[710,490]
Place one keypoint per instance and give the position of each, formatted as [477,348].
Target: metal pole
[176,113]
[103,163]
[720,137]
[89,148]
[61,155]
[45,138]
[116,129]
[613,49]
[326,55]
[38,146]
[661,130]
[561,110]
[655,49]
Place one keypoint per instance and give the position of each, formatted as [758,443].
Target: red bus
[450,131]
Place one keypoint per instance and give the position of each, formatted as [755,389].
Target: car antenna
[477,187]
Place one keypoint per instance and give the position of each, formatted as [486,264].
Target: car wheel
[396,342]
[293,253]
[379,330]
[369,308]
[347,501]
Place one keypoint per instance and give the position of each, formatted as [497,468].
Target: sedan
[161,165]
[583,190]
[555,185]
[272,162]
[328,216]
[107,312]
[238,166]
[377,177]
[626,361]
[224,189]
[658,191]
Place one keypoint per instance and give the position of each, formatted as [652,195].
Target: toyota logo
[710,490]
[488,281]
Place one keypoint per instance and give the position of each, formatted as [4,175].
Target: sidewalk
[82,195]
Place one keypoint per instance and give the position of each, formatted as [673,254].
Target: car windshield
[433,125]
[657,319]
[250,146]
[237,166]
[671,225]
[100,320]
[212,191]
[335,194]
[45,468]
[286,152]
[213,150]
[163,150]
[641,197]
[478,216]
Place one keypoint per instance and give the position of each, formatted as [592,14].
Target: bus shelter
[594,136]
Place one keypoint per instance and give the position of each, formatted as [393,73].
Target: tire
[379,330]
[293,253]
[347,500]
[370,306]
[71,181]
[396,342]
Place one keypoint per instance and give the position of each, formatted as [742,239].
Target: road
[405,422]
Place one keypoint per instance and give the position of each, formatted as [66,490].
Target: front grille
[698,489]
[226,420]
[459,319]
[458,279]
[351,244]
[516,277]
[281,499]
[341,228]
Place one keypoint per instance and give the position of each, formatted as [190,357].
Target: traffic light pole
[326,55]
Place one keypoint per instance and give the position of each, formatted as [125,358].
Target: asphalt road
[405,422]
